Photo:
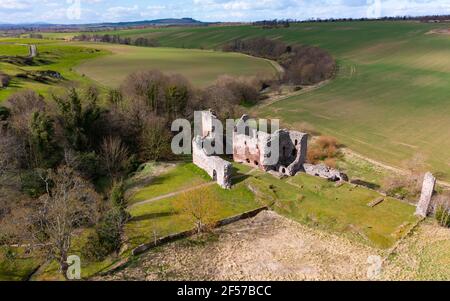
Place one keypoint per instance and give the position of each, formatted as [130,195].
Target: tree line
[117,39]
[269,24]
[427,18]
[304,65]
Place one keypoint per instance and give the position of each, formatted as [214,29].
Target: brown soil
[267,247]
[443,31]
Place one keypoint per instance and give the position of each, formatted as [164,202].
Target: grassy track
[200,67]
[391,97]
[182,177]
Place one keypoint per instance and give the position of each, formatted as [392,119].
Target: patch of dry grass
[425,255]
[267,247]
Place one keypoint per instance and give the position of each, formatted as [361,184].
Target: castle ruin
[217,168]
[254,148]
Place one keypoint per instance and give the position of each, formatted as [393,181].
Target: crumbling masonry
[217,168]
[424,205]
[253,148]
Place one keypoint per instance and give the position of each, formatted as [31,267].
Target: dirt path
[173,194]
[170,195]
[349,152]
[32,48]
[33,51]
[280,69]
[305,90]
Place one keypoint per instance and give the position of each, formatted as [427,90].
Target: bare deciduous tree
[155,140]
[68,205]
[14,223]
[114,155]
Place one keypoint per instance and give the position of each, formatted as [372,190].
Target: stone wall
[207,125]
[253,148]
[325,172]
[423,207]
[218,169]
[293,149]
[247,148]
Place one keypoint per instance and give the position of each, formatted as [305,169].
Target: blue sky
[87,11]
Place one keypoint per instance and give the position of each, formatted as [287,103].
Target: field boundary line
[394,248]
[305,90]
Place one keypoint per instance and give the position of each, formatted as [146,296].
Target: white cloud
[121,12]
[17,11]
[14,5]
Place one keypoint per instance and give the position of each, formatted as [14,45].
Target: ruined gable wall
[293,149]
[207,119]
[217,168]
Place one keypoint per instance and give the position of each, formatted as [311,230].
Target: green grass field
[181,177]
[319,204]
[51,56]
[13,50]
[390,99]
[161,218]
[201,67]
[308,200]
[108,64]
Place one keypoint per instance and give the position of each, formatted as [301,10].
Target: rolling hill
[201,67]
[390,99]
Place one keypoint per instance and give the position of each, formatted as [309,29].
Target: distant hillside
[158,22]
[183,21]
